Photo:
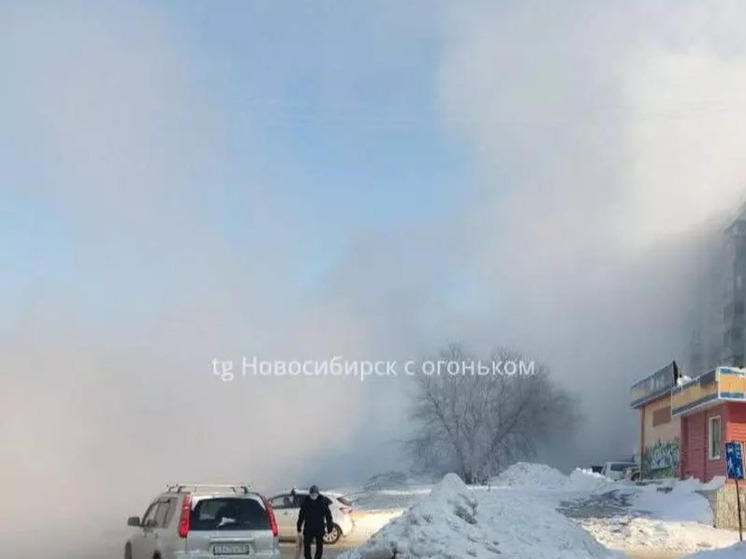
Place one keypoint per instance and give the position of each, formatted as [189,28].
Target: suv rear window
[344,501]
[229,513]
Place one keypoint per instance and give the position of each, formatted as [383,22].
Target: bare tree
[476,424]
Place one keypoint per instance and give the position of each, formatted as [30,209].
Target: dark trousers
[307,546]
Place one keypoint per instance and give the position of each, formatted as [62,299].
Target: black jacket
[312,514]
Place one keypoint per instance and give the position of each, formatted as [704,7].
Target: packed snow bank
[525,474]
[544,478]
[676,500]
[637,534]
[587,480]
[668,517]
[454,521]
[737,551]
[517,514]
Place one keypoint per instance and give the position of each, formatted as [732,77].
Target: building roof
[710,388]
[654,386]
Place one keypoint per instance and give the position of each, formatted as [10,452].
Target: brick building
[712,410]
[684,423]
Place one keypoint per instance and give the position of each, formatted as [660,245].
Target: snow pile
[537,476]
[587,480]
[544,478]
[715,483]
[668,517]
[532,510]
[386,480]
[737,551]
[633,533]
[677,500]
[443,522]
[454,521]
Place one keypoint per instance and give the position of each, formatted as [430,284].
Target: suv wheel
[332,537]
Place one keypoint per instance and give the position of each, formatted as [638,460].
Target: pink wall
[694,443]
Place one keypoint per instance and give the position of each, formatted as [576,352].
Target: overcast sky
[184,181]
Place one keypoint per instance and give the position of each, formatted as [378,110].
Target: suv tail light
[271,516]
[186,513]
[346,510]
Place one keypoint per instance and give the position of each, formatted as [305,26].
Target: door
[142,542]
[283,507]
[163,515]
[154,524]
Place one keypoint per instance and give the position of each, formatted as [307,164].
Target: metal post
[738,500]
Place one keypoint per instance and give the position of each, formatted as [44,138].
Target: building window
[661,416]
[714,438]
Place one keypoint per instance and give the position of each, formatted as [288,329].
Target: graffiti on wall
[661,459]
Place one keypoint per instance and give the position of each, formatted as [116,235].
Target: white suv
[201,521]
[618,470]
[287,507]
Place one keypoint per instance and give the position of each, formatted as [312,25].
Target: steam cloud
[606,152]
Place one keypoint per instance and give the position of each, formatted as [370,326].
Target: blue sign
[734,460]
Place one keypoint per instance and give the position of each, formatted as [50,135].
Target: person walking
[314,513]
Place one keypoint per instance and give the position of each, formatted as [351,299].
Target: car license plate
[230,549]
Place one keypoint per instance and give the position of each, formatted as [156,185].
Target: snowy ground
[737,551]
[669,518]
[532,510]
[457,521]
